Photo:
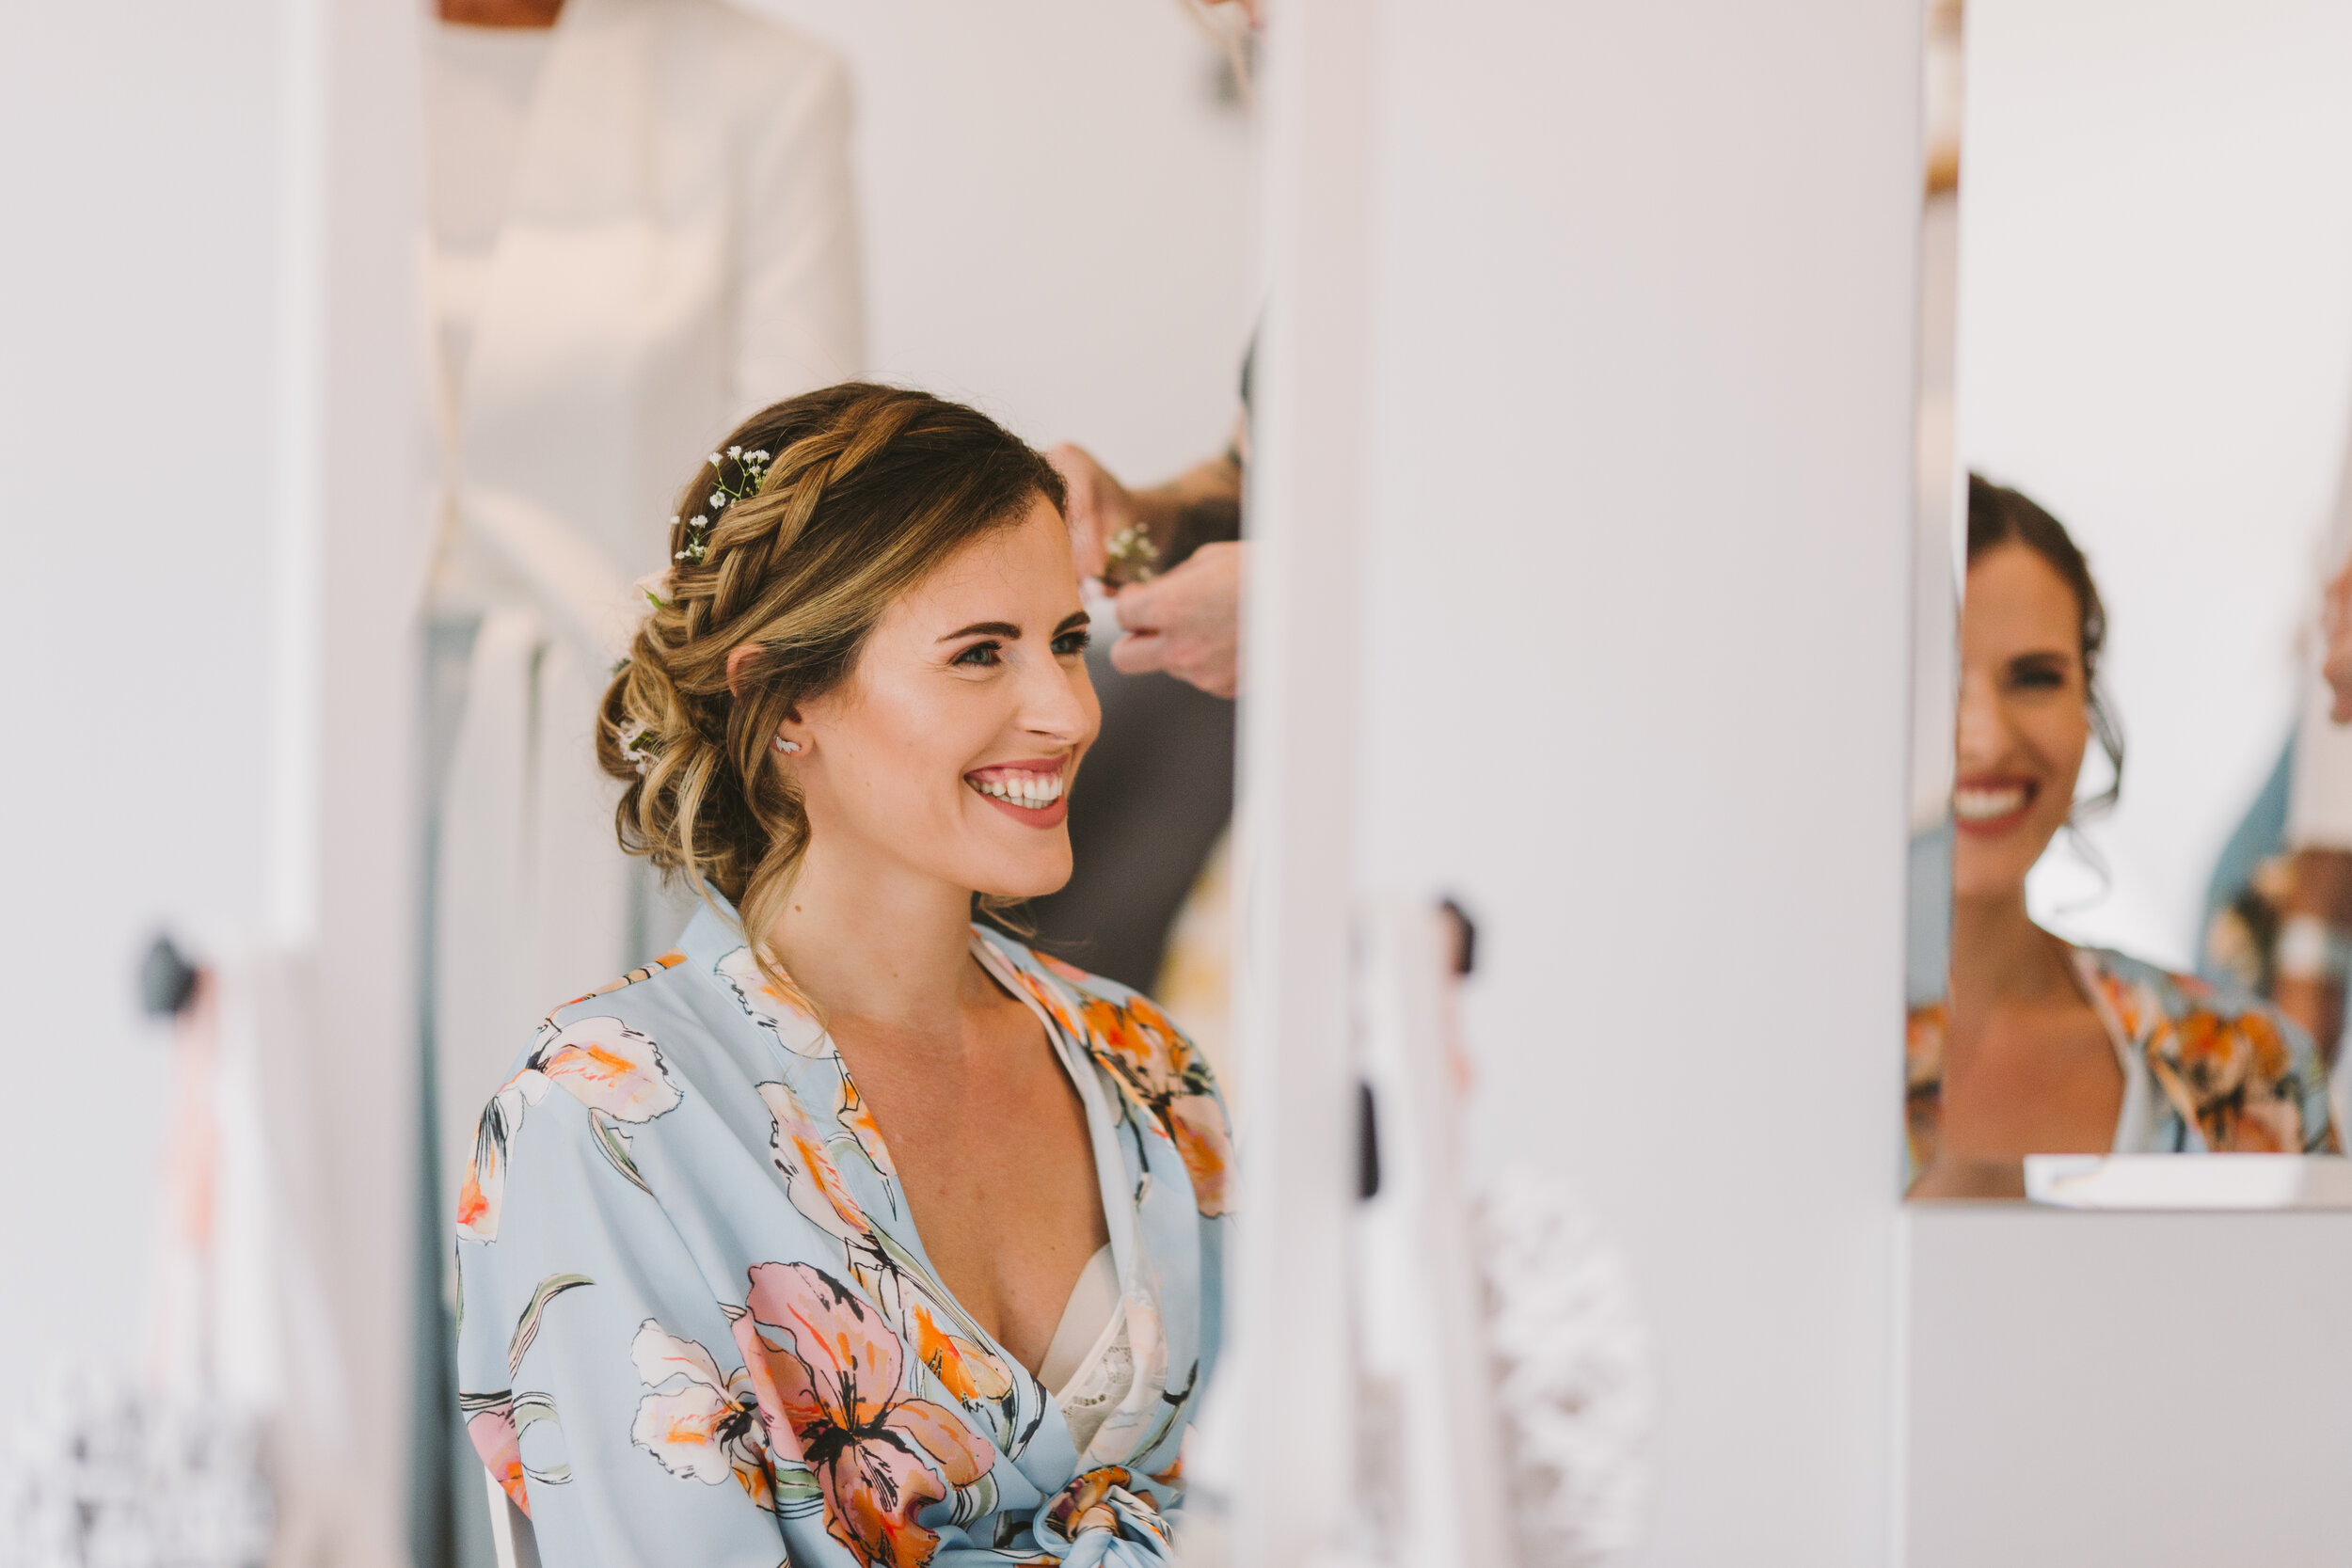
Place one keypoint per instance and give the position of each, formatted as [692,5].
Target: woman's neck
[878,943]
[2000,956]
[502,13]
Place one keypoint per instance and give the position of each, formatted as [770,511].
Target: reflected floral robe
[696,1324]
[2204,1070]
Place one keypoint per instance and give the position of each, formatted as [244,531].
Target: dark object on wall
[166,980]
[1465,938]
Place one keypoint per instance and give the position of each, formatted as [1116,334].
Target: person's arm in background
[2315,945]
[801,303]
[1200,506]
[1187,621]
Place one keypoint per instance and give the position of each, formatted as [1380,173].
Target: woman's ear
[737,659]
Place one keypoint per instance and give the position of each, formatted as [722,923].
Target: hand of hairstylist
[1184,621]
[1099,507]
[1187,621]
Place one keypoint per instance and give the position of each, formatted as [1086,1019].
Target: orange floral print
[616,1073]
[492,1432]
[698,1423]
[643,972]
[803,1150]
[1105,1499]
[1923,1082]
[776,1005]
[849,1406]
[1170,1080]
[867,1132]
[2240,1080]
[801,1147]
[827,1373]
[2233,1075]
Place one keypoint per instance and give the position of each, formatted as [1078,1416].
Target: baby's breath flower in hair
[751,471]
[633,745]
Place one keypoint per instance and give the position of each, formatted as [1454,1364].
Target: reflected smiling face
[2025,720]
[951,748]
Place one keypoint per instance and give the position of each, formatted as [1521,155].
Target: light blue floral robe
[696,1324]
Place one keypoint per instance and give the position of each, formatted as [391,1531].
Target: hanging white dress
[643,231]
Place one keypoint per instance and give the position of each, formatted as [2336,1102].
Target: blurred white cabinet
[2151,1389]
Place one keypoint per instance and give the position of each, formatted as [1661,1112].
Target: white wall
[1057,215]
[2155,342]
[1632,675]
[2157,1389]
[138,176]
[211,538]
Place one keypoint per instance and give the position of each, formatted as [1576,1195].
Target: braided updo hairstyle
[868,490]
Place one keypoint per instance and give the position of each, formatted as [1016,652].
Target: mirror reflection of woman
[849,1233]
[2040,1046]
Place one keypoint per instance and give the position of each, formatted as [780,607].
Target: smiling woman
[911,1234]
[2041,1047]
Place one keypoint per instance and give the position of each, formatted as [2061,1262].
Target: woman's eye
[982,654]
[2037,674]
[1071,642]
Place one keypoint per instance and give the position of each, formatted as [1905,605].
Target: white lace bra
[1089,1368]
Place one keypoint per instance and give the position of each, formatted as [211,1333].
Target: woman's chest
[996,1170]
[2030,1081]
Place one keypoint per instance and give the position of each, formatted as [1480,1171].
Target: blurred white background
[2156,342]
[139,169]
[1056,214]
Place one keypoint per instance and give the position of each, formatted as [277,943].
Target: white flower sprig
[751,469]
[634,748]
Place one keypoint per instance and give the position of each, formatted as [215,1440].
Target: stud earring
[788,747]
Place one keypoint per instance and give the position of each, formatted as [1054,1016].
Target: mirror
[2131,906]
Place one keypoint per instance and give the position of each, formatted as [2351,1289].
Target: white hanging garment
[678,248]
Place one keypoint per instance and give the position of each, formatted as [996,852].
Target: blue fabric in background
[2262,832]
[1928,940]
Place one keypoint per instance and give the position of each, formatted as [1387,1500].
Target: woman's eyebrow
[1071,622]
[986,628]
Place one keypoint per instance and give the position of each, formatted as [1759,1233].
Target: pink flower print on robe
[827,1373]
[616,1073]
[802,1148]
[776,1006]
[492,1432]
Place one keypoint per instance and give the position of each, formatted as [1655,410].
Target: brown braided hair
[866,491]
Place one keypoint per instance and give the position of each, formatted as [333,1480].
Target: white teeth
[1032,790]
[1982,806]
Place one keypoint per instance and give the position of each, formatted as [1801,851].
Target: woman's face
[2025,718]
[951,748]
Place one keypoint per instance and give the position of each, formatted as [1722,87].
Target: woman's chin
[1991,877]
[1029,881]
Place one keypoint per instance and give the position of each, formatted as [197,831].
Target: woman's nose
[1982,735]
[1053,701]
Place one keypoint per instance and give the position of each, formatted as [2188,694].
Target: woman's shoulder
[2181,997]
[2249,1072]
[1114,1014]
[1158,1070]
[696,1013]
[2216,1033]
